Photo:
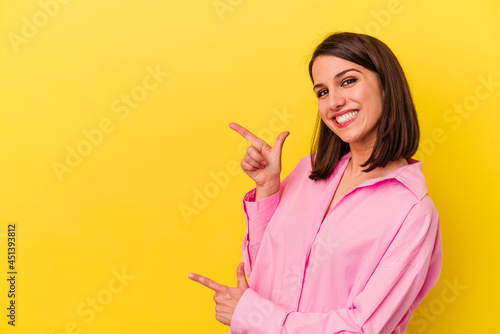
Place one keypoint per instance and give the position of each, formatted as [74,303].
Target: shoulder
[423,212]
[402,194]
[303,167]
[305,163]
[412,179]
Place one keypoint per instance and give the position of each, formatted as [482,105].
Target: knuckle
[218,298]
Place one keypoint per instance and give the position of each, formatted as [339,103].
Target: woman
[349,242]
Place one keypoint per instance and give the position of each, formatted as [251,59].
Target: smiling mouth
[346,117]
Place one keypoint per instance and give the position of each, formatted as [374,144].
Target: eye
[322,93]
[348,82]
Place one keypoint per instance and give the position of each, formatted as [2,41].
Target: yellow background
[158,195]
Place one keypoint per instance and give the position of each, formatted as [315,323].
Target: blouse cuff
[256,314]
[259,213]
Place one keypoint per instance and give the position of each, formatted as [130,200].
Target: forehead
[328,66]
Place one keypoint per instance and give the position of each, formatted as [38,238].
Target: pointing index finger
[205,281]
[253,139]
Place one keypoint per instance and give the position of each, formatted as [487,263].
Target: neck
[360,154]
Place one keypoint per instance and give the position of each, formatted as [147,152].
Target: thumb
[241,278]
[280,140]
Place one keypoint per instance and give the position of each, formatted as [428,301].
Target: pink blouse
[362,268]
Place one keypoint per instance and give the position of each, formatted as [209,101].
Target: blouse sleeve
[406,272]
[258,214]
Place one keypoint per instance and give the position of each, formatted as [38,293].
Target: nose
[336,101]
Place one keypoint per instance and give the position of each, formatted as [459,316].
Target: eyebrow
[338,75]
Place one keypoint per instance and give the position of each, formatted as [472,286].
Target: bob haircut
[398,131]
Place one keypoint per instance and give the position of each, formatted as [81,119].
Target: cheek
[323,114]
[377,96]
[378,105]
[363,95]
[371,98]
[322,108]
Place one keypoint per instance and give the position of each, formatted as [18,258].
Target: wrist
[266,190]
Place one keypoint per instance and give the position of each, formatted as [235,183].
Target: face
[350,99]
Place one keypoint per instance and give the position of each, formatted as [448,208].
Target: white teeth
[346,117]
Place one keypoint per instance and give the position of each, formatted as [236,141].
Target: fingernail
[191,276]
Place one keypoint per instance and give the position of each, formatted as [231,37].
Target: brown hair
[398,131]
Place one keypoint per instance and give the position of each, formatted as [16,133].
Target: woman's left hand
[226,298]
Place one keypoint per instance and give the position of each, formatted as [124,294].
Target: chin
[348,139]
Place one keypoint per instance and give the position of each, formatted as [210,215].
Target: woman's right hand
[262,163]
